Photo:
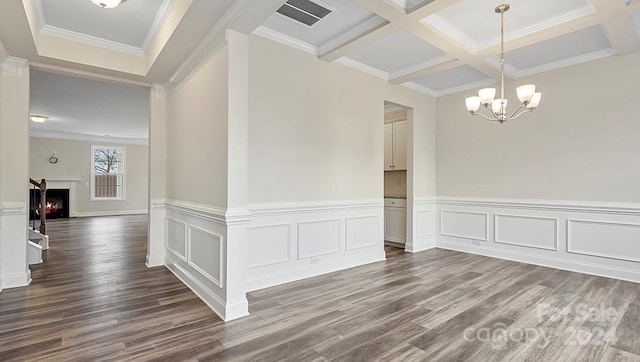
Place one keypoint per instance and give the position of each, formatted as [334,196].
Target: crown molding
[453,32]
[38,11]
[161,17]
[87,138]
[91,40]
[465,87]
[13,66]
[420,88]
[213,42]
[599,54]
[537,27]
[271,34]
[420,66]
[363,67]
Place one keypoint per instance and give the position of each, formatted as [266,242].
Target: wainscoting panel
[270,245]
[205,254]
[317,238]
[529,231]
[595,238]
[464,224]
[202,230]
[289,242]
[177,238]
[424,223]
[362,232]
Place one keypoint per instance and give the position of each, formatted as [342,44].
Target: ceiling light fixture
[38,119]
[498,107]
[108,4]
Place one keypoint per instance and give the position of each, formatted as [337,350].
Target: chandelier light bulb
[487,95]
[107,4]
[473,104]
[499,106]
[525,92]
[535,100]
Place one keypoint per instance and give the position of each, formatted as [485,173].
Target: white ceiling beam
[407,77]
[546,34]
[359,42]
[391,13]
[411,23]
[255,13]
[616,19]
[450,46]
[430,8]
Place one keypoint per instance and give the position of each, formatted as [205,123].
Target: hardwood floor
[94,299]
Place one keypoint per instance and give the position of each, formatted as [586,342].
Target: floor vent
[304,11]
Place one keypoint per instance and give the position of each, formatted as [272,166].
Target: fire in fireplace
[57,204]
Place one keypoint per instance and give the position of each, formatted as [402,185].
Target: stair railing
[43,204]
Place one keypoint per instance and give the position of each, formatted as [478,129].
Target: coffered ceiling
[445,46]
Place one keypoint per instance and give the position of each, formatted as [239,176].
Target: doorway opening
[91,150]
[396,170]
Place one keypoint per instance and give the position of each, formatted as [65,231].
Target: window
[107,173]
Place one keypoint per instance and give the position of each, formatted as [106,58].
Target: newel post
[43,207]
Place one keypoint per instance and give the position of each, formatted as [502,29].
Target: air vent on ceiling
[304,11]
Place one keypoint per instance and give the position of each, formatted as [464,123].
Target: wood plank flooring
[94,299]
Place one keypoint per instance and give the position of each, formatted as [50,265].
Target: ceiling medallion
[108,4]
[498,107]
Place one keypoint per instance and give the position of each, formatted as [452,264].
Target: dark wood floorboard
[93,299]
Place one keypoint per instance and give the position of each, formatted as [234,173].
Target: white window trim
[93,175]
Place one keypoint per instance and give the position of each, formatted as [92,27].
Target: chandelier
[107,4]
[497,108]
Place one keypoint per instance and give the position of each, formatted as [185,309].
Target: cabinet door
[388,147]
[400,145]
[395,224]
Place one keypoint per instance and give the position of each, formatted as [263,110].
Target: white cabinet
[395,146]
[395,220]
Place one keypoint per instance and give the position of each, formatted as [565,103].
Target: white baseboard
[411,249]
[226,312]
[16,280]
[563,264]
[313,271]
[154,261]
[109,213]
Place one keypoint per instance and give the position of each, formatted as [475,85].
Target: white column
[14,172]
[237,214]
[157,175]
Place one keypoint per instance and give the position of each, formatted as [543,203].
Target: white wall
[14,158]
[316,129]
[197,136]
[556,187]
[580,144]
[316,164]
[75,162]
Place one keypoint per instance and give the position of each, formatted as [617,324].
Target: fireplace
[57,204]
